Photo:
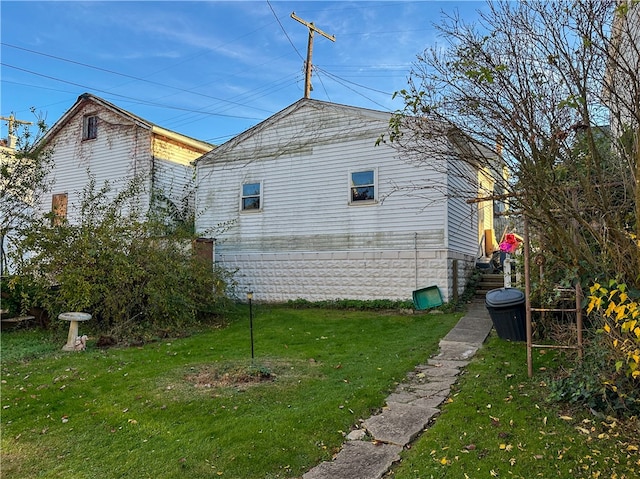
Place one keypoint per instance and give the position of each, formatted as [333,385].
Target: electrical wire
[283,30]
[127,76]
[135,100]
[342,82]
[222,105]
[352,83]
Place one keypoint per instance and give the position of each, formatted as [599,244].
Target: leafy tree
[540,80]
[23,179]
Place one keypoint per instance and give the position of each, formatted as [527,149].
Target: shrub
[621,316]
[112,264]
[351,304]
[607,378]
[594,383]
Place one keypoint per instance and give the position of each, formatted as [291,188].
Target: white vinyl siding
[123,148]
[463,233]
[115,155]
[310,233]
[307,197]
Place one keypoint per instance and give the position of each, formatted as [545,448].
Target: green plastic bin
[427,298]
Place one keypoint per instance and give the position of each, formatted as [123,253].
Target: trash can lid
[503,297]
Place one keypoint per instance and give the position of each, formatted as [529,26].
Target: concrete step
[488,282]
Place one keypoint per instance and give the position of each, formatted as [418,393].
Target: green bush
[11,297]
[606,380]
[596,384]
[113,264]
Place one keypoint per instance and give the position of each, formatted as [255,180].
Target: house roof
[142,123]
[290,110]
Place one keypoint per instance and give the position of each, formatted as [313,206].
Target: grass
[499,423]
[163,409]
[198,407]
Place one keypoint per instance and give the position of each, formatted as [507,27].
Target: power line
[278,85]
[135,100]
[334,76]
[184,90]
[241,98]
[342,82]
[283,30]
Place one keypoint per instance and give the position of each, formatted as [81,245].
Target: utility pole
[11,121]
[312,28]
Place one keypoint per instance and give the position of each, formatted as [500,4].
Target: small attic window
[89,127]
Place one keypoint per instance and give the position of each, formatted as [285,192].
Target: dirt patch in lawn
[220,376]
[228,377]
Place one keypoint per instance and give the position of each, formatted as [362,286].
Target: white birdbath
[73,318]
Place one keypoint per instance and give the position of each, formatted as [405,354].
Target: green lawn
[499,423]
[156,411]
[178,408]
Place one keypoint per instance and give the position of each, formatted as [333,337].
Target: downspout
[152,172]
[415,254]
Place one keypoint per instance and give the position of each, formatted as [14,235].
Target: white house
[305,205]
[95,137]
[621,83]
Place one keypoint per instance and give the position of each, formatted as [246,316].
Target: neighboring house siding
[175,182]
[486,216]
[98,139]
[176,153]
[120,150]
[622,89]
[308,241]
[174,172]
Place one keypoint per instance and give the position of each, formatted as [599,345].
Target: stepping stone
[447,363]
[399,423]
[454,350]
[358,460]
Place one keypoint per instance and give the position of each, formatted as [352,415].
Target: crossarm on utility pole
[11,124]
[312,28]
[11,120]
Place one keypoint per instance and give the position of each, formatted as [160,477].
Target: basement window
[251,197]
[89,127]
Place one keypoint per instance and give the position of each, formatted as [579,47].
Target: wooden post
[637,186]
[579,318]
[455,279]
[527,295]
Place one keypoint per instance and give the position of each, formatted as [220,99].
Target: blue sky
[209,69]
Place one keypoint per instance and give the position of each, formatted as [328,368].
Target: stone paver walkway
[370,452]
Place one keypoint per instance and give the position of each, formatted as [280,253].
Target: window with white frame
[251,197]
[89,127]
[362,186]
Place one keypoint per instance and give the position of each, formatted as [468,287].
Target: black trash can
[507,310]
